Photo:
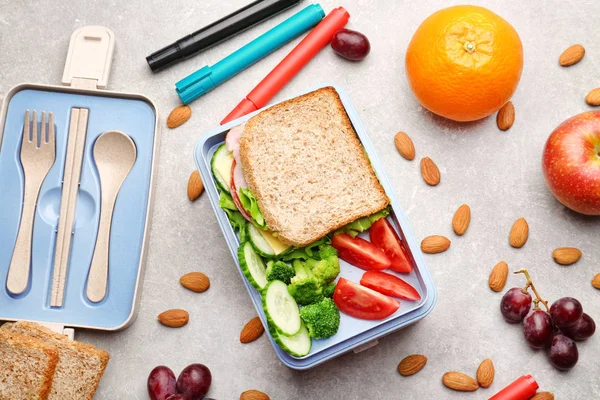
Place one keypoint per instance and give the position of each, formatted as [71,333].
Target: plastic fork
[38,154]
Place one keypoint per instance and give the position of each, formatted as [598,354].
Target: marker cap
[521,389]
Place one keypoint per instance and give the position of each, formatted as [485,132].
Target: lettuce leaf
[250,204]
[236,219]
[362,224]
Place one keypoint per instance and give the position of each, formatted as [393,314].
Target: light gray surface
[498,174]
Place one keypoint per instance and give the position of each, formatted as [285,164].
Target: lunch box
[86,73]
[353,334]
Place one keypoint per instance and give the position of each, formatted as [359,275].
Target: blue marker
[207,78]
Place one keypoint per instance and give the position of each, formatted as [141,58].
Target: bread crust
[322,115]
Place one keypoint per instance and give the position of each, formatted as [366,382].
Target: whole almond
[430,172]
[485,373]
[593,97]
[596,281]
[498,276]
[519,233]
[459,381]
[461,220]
[506,116]
[435,244]
[179,116]
[174,318]
[195,186]
[254,395]
[412,364]
[543,396]
[566,255]
[405,145]
[195,281]
[252,330]
[572,55]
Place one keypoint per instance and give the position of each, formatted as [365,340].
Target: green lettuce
[236,219]
[250,204]
[362,224]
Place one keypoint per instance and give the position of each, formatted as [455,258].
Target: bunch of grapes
[557,328]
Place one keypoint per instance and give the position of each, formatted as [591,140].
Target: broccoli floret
[305,286]
[326,269]
[329,290]
[280,271]
[322,319]
[326,251]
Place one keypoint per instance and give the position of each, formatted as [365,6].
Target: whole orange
[464,62]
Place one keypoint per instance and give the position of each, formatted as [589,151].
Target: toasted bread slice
[80,366]
[307,169]
[27,366]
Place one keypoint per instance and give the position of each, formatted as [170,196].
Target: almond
[412,364]
[430,172]
[506,116]
[405,145]
[572,55]
[254,395]
[485,373]
[195,281]
[461,220]
[195,186]
[566,255]
[435,244]
[519,233]
[174,318]
[252,330]
[459,381]
[596,281]
[498,276]
[179,116]
[543,396]
[593,97]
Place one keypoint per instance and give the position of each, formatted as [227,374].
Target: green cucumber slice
[220,165]
[281,309]
[298,345]
[252,265]
[259,243]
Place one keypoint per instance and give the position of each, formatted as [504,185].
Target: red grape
[161,383]
[582,329]
[350,44]
[565,312]
[515,305]
[537,328]
[194,381]
[563,352]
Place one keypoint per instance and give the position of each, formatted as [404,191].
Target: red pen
[291,64]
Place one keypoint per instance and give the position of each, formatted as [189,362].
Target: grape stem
[530,285]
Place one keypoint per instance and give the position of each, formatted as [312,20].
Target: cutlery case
[86,74]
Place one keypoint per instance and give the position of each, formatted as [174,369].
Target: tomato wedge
[361,302]
[359,252]
[389,284]
[384,236]
[236,197]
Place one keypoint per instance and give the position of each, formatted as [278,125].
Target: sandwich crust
[307,168]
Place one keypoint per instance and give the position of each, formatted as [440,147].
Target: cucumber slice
[281,309]
[252,265]
[259,243]
[221,167]
[298,345]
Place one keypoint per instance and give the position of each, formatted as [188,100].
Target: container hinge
[89,58]
[60,329]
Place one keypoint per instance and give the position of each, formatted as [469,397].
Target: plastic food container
[353,334]
[86,71]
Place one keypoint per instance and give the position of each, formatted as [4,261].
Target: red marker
[522,389]
[291,64]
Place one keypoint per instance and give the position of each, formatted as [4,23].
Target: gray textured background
[498,174]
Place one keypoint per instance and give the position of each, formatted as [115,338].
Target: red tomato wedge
[359,252]
[389,284]
[361,302]
[384,236]
[235,196]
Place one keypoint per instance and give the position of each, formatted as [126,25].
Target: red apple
[571,163]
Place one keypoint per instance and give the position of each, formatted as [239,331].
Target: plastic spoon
[114,154]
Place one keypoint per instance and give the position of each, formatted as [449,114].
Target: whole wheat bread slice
[80,366]
[27,366]
[307,169]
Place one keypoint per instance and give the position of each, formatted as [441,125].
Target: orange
[464,62]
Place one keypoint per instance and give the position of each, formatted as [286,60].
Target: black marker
[216,32]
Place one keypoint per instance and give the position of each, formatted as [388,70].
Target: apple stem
[529,284]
